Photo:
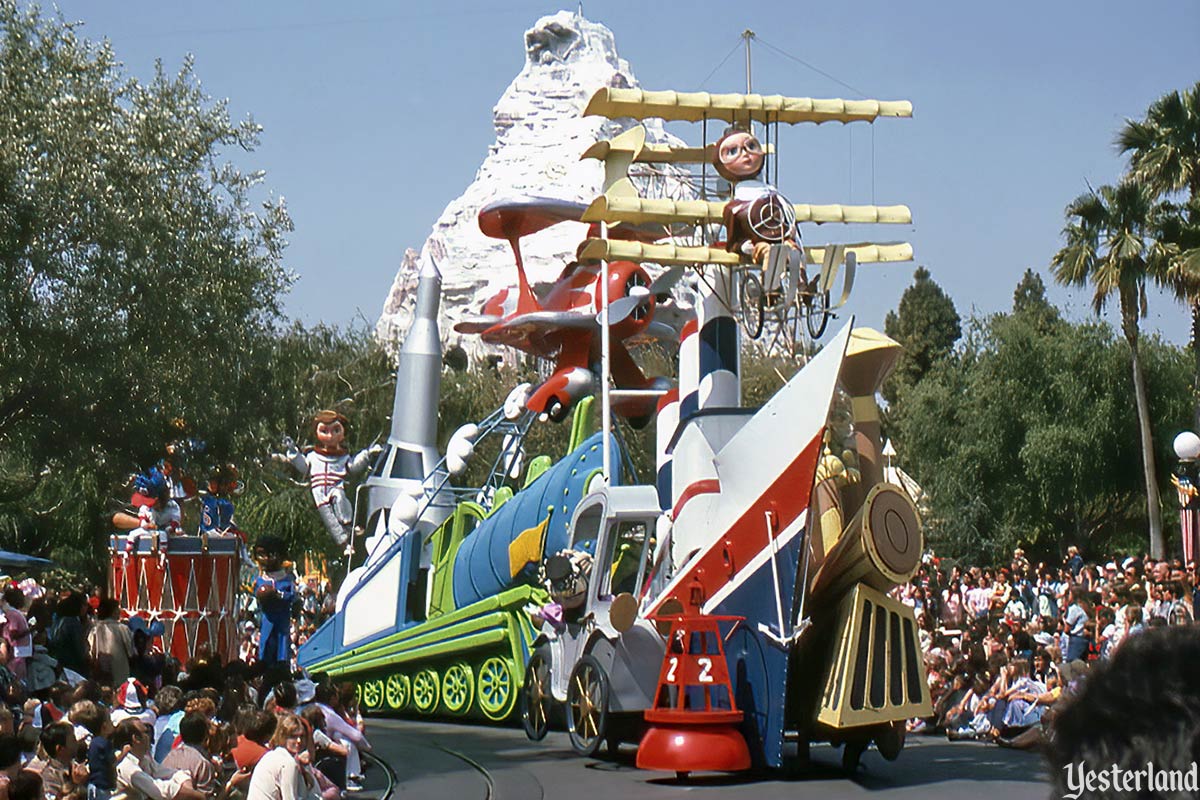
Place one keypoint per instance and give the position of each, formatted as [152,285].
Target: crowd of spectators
[91,708]
[1005,647]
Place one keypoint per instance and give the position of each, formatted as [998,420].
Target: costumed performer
[157,514]
[216,512]
[275,591]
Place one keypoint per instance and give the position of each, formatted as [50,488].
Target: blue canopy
[11,559]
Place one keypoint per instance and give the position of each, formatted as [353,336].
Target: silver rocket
[410,459]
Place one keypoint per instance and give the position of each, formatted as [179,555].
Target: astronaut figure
[327,466]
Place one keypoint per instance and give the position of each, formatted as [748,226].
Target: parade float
[186,587]
[739,598]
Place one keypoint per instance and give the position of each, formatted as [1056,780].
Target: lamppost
[1187,483]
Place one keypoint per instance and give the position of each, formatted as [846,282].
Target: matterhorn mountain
[540,135]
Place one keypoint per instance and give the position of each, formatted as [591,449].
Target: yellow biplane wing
[696,106]
[685,255]
[621,203]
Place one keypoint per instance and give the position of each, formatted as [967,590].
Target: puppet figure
[327,466]
[157,514]
[216,512]
[757,217]
[275,590]
[565,575]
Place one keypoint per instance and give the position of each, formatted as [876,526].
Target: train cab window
[587,528]
[623,559]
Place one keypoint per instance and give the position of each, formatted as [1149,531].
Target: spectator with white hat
[129,702]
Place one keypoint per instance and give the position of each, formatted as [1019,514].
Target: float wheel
[397,691]
[458,688]
[536,699]
[372,694]
[425,685]
[587,706]
[496,688]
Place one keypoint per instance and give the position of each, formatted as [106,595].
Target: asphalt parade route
[475,762]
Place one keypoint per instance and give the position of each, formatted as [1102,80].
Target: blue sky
[377,114]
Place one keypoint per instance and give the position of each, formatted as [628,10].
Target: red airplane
[564,325]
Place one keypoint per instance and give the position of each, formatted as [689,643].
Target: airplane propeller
[665,282]
[624,307]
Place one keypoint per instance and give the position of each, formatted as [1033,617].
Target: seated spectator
[961,713]
[191,756]
[61,776]
[167,704]
[131,704]
[139,776]
[341,731]
[328,756]
[255,729]
[29,740]
[1026,698]
[102,763]
[278,775]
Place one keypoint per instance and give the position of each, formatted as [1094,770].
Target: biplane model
[564,325]
[780,289]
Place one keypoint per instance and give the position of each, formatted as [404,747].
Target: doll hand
[760,252]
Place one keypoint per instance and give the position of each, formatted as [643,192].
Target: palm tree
[1111,245]
[1164,153]
[1164,148]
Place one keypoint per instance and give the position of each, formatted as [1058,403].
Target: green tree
[1025,433]
[1029,299]
[1164,154]
[927,325]
[140,276]
[1111,247]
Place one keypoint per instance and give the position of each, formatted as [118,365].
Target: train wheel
[458,688]
[851,755]
[372,694]
[587,706]
[425,690]
[397,691]
[496,688]
[535,698]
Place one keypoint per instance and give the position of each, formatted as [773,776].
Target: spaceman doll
[327,466]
